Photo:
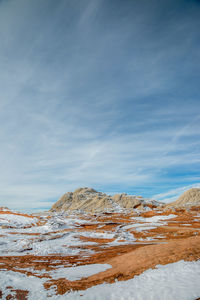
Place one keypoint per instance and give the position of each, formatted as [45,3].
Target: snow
[70,273]
[98,235]
[144,228]
[119,235]
[155,218]
[173,281]
[21,281]
[61,245]
[153,222]
[140,227]
[59,233]
[16,221]
[43,244]
[178,280]
[53,237]
[4,209]
[76,273]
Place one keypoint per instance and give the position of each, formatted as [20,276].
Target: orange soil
[128,265]
[19,295]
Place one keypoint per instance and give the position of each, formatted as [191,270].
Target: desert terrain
[122,248]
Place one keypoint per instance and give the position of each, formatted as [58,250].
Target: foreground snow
[170,282]
[76,273]
[67,240]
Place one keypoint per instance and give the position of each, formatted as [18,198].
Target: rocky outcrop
[86,199]
[132,202]
[188,198]
[89,200]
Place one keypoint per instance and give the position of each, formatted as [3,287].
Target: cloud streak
[97,94]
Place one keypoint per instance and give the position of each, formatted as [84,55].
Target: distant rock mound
[4,208]
[85,199]
[189,198]
[89,200]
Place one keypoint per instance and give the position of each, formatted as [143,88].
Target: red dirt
[19,295]
[134,263]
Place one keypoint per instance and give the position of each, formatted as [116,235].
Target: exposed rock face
[127,201]
[89,200]
[188,198]
[85,199]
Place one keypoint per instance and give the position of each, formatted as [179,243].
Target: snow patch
[76,273]
[178,280]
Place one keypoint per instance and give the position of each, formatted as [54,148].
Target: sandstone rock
[188,198]
[89,200]
[127,201]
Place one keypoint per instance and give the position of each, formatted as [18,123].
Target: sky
[98,93]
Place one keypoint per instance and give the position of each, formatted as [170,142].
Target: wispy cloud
[95,93]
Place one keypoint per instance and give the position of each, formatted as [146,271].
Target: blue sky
[99,93]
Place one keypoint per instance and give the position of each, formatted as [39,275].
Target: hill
[89,200]
[188,198]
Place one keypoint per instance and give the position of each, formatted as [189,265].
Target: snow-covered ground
[16,221]
[82,236]
[149,223]
[76,273]
[155,219]
[60,233]
[169,282]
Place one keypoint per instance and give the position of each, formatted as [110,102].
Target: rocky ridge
[189,198]
[89,200]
